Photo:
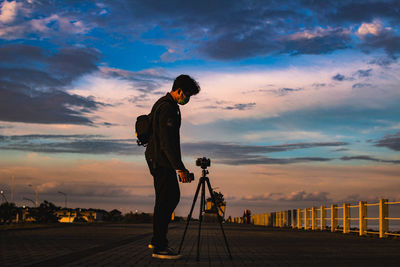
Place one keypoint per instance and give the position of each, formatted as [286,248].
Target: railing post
[294,218]
[289,218]
[383,221]
[362,211]
[285,218]
[346,218]
[277,219]
[323,218]
[333,217]
[314,218]
[299,219]
[306,219]
[271,219]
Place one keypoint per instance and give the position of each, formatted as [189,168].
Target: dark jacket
[164,148]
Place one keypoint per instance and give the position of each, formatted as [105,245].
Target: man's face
[183,99]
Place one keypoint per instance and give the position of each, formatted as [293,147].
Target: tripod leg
[202,203]
[219,217]
[190,215]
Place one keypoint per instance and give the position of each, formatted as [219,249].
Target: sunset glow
[299,101]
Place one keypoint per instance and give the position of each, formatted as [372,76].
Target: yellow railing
[316,218]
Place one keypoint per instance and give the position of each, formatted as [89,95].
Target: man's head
[183,88]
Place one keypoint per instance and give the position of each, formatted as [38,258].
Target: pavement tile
[126,245]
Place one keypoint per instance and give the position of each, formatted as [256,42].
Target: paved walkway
[126,245]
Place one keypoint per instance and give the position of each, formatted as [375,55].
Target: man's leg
[167,198]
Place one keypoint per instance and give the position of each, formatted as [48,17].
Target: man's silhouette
[163,155]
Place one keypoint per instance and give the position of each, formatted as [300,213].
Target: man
[163,155]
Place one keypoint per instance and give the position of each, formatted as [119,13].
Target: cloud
[281,91]
[304,196]
[358,11]
[319,85]
[340,149]
[82,144]
[374,36]
[63,24]
[8,11]
[339,77]
[391,141]
[291,196]
[230,154]
[6,126]
[251,160]
[32,137]
[364,73]
[56,107]
[317,42]
[361,85]
[244,29]
[240,106]
[285,91]
[374,28]
[145,81]
[41,19]
[369,158]
[383,61]
[34,82]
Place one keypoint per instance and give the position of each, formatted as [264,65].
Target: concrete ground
[126,245]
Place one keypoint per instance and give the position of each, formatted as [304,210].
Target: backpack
[144,126]
[143,129]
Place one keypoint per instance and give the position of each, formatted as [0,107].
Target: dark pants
[167,198]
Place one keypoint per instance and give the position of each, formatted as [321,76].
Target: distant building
[69,216]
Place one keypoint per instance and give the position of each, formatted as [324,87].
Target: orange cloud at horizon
[122,183]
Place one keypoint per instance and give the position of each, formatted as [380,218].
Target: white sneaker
[168,254]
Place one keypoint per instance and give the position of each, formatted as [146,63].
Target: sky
[299,101]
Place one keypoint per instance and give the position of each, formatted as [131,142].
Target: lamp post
[12,188]
[4,197]
[36,194]
[65,195]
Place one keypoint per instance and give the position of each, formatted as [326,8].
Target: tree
[219,199]
[45,213]
[8,212]
[114,216]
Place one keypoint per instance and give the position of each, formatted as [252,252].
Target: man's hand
[184,176]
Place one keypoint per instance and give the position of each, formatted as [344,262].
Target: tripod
[203,180]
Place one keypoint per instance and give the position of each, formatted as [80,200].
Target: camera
[203,162]
[191,177]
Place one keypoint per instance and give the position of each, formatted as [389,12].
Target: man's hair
[187,84]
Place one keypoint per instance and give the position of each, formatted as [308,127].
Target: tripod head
[203,163]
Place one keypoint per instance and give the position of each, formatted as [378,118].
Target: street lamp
[4,197]
[36,193]
[65,195]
